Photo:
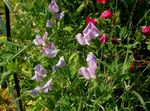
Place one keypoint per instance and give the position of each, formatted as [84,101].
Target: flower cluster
[49,50]
[56,14]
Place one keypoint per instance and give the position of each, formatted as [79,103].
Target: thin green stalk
[12,95]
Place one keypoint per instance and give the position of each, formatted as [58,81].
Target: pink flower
[102,1]
[106,14]
[89,19]
[103,38]
[145,30]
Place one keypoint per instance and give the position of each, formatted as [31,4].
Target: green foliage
[115,87]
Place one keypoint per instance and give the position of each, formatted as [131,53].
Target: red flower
[145,30]
[114,40]
[132,67]
[103,38]
[102,1]
[106,14]
[89,19]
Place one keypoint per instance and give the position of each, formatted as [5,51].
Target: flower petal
[49,24]
[81,39]
[47,86]
[60,63]
[53,7]
[84,72]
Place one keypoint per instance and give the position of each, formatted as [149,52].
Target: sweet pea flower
[81,39]
[39,72]
[89,19]
[103,38]
[102,1]
[40,40]
[53,7]
[89,33]
[49,24]
[90,71]
[145,30]
[35,91]
[60,63]
[91,57]
[106,14]
[50,50]
[47,86]
[58,16]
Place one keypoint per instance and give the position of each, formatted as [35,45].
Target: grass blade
[140,99]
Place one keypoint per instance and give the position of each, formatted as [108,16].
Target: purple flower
[81,39]
[58,16]
[49,24]
[60,63]
[50,50]
[39,72]
[35,91]
[91,57]
[90,71]
[47,86]
[89,33]
[53,7]
[40,40]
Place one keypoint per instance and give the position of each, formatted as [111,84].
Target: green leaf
[11,66]
[68,29]
[64,101]
[4,76]
[2,25]
[148,46]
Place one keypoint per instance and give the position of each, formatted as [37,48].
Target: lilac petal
[58,16]
[49,24]
[45,36]
[35,91]
[36,77]
[92,68]
[39,70]
[60,63]
[39,73]
[81,39]
[38,67]
[91,57]
[84,72]
[91,31]
[50,51]
[53,7]
[38,40]
[47,86]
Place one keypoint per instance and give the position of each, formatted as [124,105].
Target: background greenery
[115,88]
